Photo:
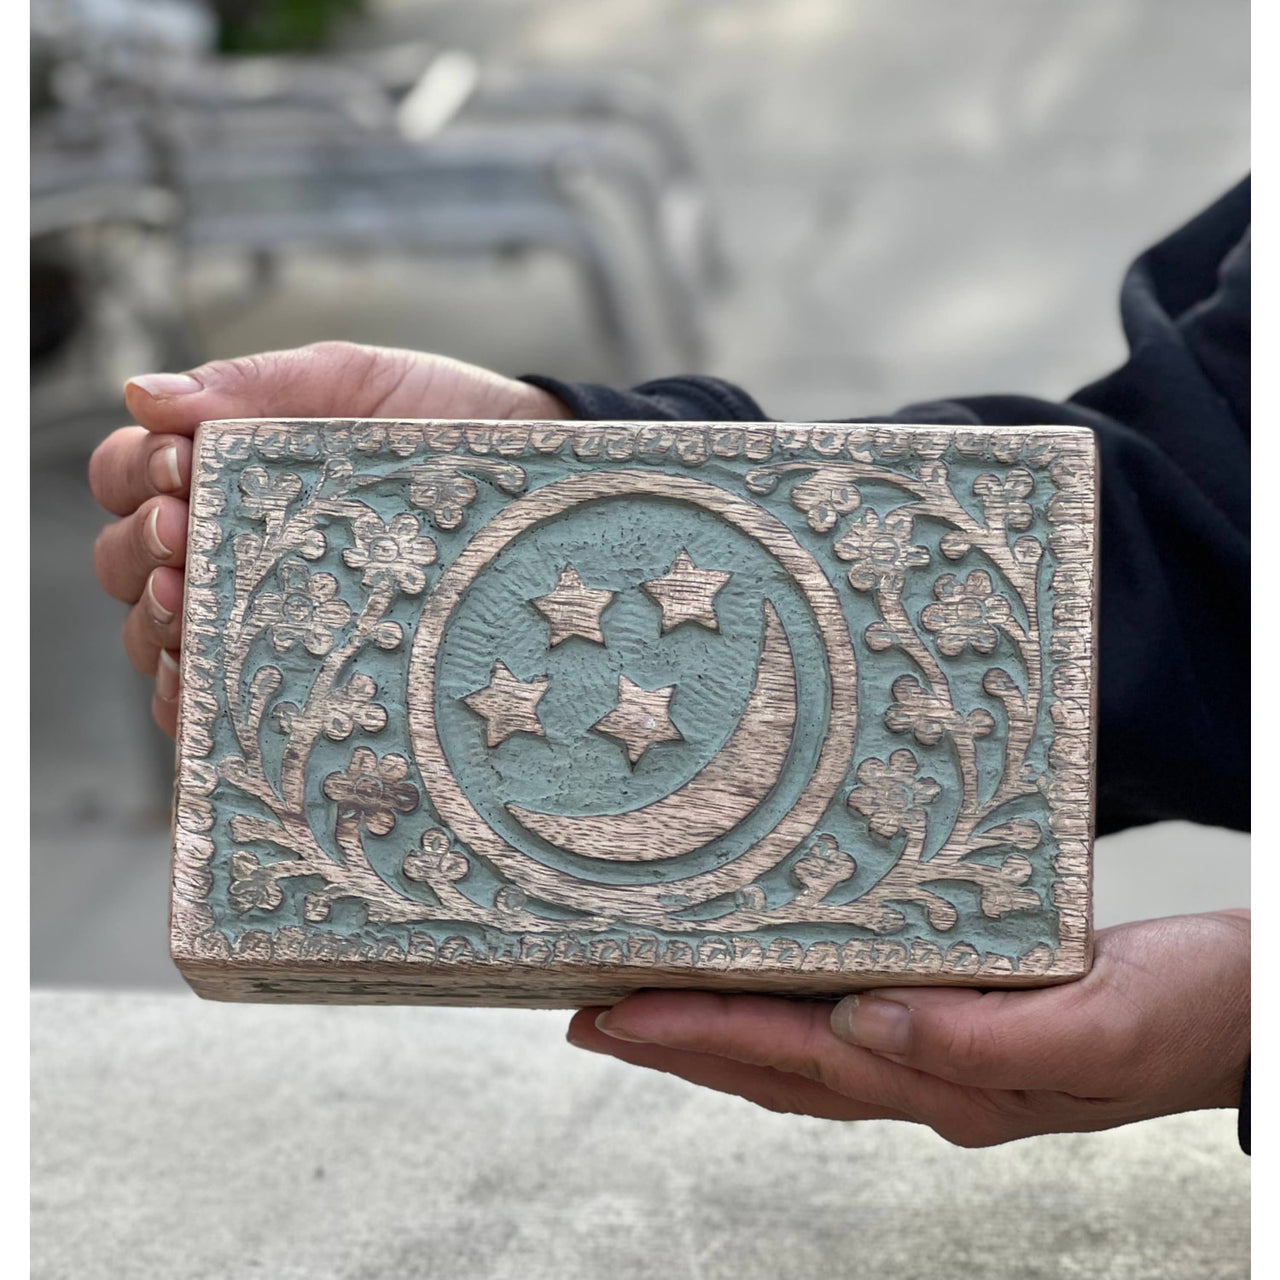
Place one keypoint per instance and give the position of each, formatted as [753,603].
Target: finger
[1055,1038]
[155,622]
[766,1087]
[127,551]
[132,465]
[794,1036]
[164,702]
[325,379]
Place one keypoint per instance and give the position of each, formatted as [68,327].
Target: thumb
[331,379]
[1052,1038]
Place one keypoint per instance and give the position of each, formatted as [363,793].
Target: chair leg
[657,224]
[632,101]
[607,291]
[604,272]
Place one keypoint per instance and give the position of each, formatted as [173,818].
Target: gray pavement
[175,1140]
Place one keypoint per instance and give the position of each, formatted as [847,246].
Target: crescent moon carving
[723,792]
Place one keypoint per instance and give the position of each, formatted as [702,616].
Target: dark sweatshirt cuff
[692,398]
[1242,1119]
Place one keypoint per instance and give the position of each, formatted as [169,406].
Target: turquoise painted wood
[543,713]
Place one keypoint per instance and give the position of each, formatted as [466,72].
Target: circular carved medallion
[639,860]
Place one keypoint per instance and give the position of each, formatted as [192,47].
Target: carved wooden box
[543,713]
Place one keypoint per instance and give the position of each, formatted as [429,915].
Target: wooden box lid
[544,713]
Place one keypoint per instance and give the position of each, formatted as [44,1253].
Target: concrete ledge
[182,1141]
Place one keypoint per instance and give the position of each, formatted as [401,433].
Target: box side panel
[190,918]
[569,988]
[1073,514]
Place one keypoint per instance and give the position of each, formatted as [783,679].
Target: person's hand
[1160,1024]
[143,474]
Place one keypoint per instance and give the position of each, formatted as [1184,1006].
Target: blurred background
[842,204]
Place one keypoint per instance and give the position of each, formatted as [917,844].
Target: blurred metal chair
[410,150]
[270,157]
[582,95]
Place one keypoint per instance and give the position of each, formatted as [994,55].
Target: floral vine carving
[373,791]
[277,595]
[891,795]
[967,614]
[308,610]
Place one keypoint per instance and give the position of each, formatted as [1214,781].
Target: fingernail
[159,385]
[603,1024]
[883,1026]
[167,676]
[151,536]
[163,469]
[157,611]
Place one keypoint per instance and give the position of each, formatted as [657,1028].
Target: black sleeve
[691,398]
[1173,432]
[1243,1126]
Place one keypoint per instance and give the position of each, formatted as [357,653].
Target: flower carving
[263,496]
[373,790]
[921,712]
[309,610]
[823,866]
[436,859]
[888,793]
[444,495]
[1004,500]
[966,613]
[824,499]
[253,885]
[881,552]
[343,711]
[395,551]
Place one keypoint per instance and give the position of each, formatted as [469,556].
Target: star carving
[641,718]
[572,608]
[508,705]
[687,593]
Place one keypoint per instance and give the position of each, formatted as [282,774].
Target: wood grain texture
[687,593]
[508,705]
[573,609]
[641,719]
[900,792]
